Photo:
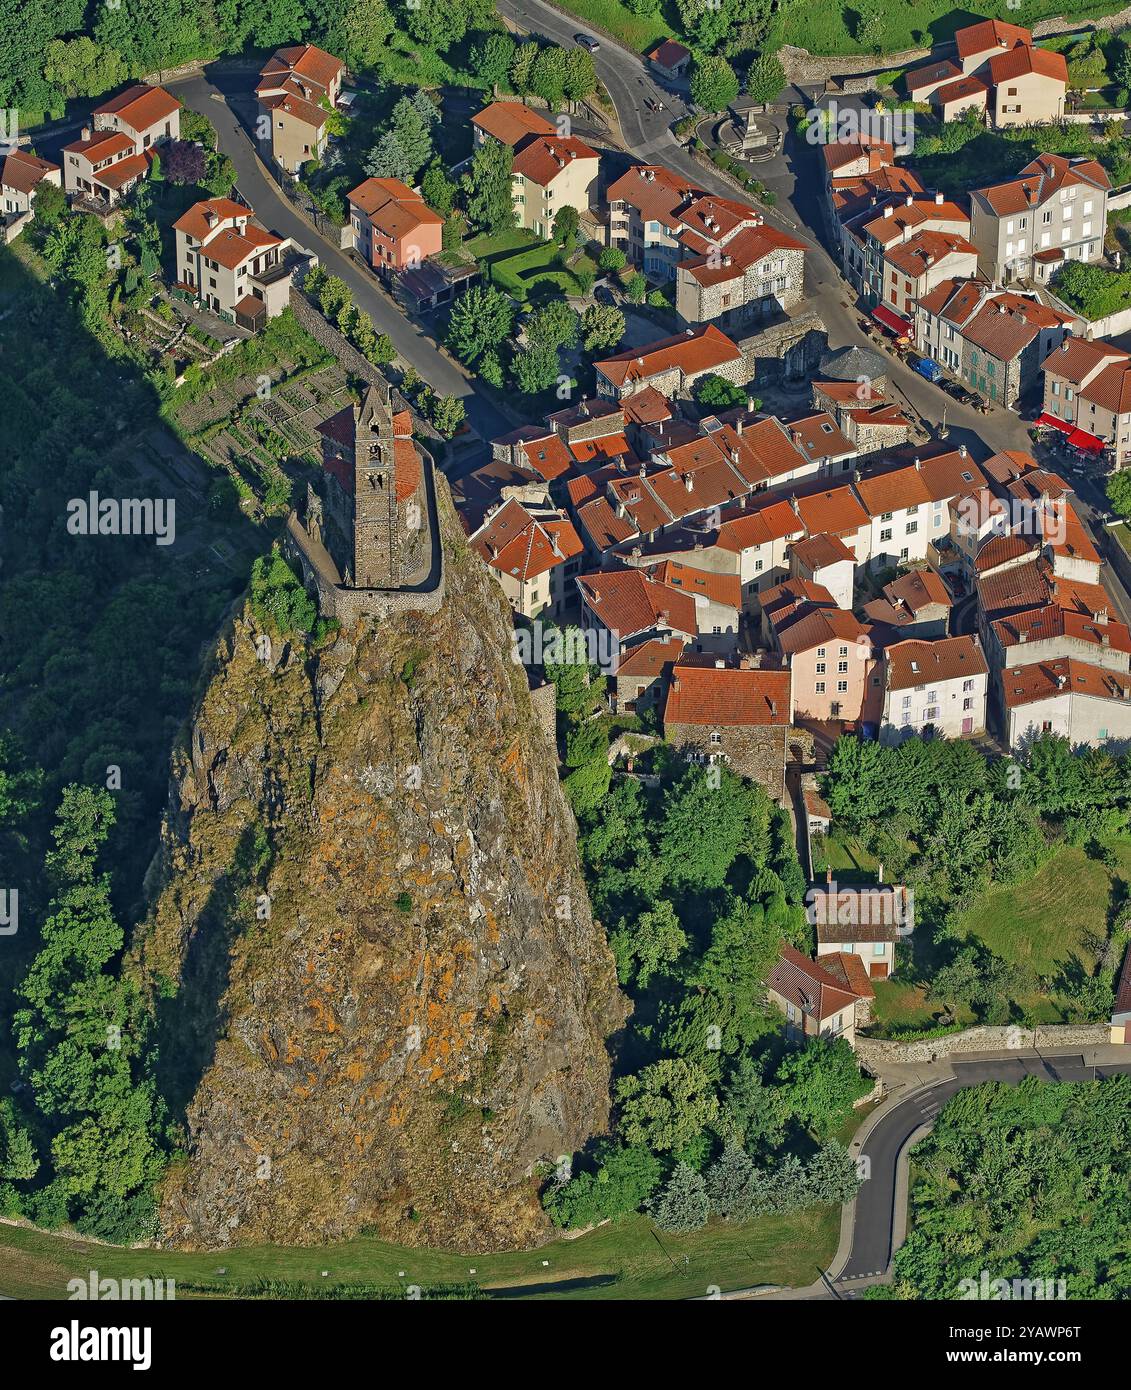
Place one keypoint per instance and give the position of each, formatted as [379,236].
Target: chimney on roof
[720,664]
[918,463]
[888,210]
[640,361]
[795,437]
[1022,636]
[1064,345]
[773,709]
[750,405]
[880,872]
[939,198]
[738,426]
[689,482]
[675,682]
[86,133]
[962,451]
[1061,682]
[1105,639]
[1100,617]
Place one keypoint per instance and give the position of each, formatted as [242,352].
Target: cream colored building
[535,554]
[940,683]
[1088,384]
[229,264]
[298,89]
[551,172]
[115,151]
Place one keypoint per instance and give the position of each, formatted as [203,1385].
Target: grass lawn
[1123,535]
[831,29]
[1052,919]
[846,856]
[626,1259]
[640,32]
[525,267]
[905,1007]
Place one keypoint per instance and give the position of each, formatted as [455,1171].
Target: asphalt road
[875,1204]
[212,97]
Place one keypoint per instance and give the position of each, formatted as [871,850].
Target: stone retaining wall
[327,336]
[875,1053]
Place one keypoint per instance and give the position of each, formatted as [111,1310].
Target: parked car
[926,368]
[586,41]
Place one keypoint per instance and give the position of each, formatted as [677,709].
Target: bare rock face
[382,997]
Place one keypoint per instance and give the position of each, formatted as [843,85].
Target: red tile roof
[194,221]
[693,352]
[1051,621]
[392,207]
[669,53]
[932,75]
[811,986]
[919,662]
[990,33]
[602,525]
[544,157]
[511,122]
[729,697]
[717,588]
[1022,60]
[308,61]
[918,589]
[23,171]
[140,106]
[516,543]
[959,91]
[821,550]
[103,144]
[1043,680]
[628,603]
[651,658]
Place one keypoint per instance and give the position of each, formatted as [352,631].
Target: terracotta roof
[1041,180]
[836,510]
[194,221]
[731,259]
[781,600]
[990,33]
[140,106]
[308,61]
[1042,680]
[815,626]
[954,299]
[547,455]
[123,171]
[669,53]
[950,475]
[544,157]
[894,490]
[23,171]
[1022,60]
[917,662]
[717,588]
[820,550]
[918,589]
[296,105]
[1001,550]
[514,542]
[655,191]
[730,697]
[810,985]
[231,248]
[1065,534]
[693,352]
[393,207]
[511,121]
[1007,323]
[819,437]
[103,144]
[925,249]
[959,91]
[816,804]
[772,522]
[602,525]
[648,407]
[651,658]
[876,911]
[838,153]
[1040,624]
[932,75]
[628,603]
[1019,587]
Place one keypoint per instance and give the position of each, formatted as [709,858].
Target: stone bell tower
[376,544]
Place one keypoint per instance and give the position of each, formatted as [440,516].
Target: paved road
[875,1205]
[212,98]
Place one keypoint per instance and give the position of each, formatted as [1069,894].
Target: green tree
[535,369]
[548,75]
[612,258]
[555,325]
[666,1105]
[491,57]
[448,414]
[683,1205]
[567,221]
[81,68]
[714,84]
[602,327]
[636,288]
[580,77]
[625,1178]
[480,320]
[710,817]
[821,1081]
[766,79]
[522,67]
[487,188]
[1119,492]
[647,946]
[717,392]
[437,190]
[732,1184]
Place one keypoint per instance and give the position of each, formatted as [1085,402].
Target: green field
[640,32]
[627,1259]
[524,266]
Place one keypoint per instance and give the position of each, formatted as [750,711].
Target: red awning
[1080,439]
[1046,419]
[890,320]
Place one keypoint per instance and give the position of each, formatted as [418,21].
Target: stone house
[671,60]
[736,715]
[672,365]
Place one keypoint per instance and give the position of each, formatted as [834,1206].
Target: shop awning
[1055,421]
[1080,439]
[890,320]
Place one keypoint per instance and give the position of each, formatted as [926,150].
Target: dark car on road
[586,41]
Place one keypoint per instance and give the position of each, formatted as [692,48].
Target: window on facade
[716,737]
[819,688]
[885,534]
[841,686]
[842,666]
[820,668]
